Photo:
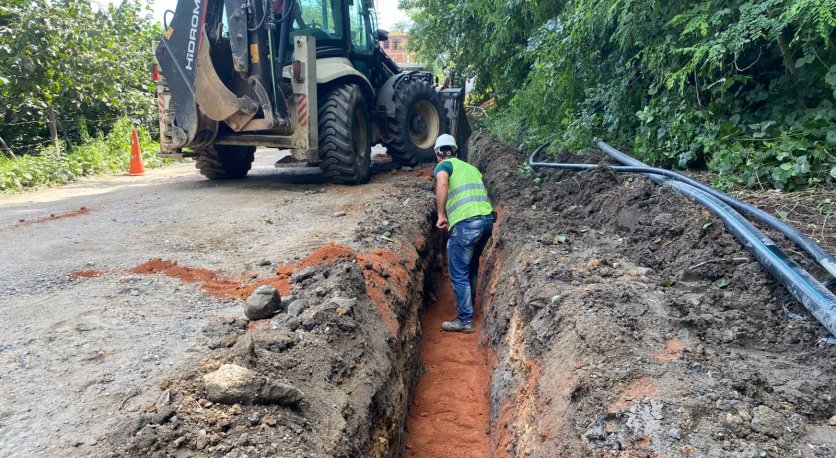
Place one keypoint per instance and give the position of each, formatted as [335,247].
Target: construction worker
[464,208]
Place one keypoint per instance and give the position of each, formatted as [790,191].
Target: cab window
[319,18]
[363,25]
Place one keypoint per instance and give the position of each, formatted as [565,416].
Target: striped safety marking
[302,109]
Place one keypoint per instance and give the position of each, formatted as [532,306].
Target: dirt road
[83,339]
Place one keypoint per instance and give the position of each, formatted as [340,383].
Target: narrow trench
[449,415]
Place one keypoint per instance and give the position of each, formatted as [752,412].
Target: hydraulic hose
[810,292]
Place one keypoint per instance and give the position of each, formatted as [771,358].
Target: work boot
[457,325]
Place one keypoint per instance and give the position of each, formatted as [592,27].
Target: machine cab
[342,28]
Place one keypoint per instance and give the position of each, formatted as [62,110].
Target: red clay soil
[384,271]
[281,282]
[86,274]
[52,217]
[212,282]
[328,254]
[450,413]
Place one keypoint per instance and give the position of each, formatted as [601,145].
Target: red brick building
[395,47]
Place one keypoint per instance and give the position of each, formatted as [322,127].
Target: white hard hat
[445,140]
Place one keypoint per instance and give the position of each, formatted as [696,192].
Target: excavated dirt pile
[329,375]
[626,321]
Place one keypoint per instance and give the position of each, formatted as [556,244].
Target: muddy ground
[626,321]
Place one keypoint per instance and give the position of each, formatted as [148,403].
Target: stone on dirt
[766,421]
[344,302]
[293,323]
[596,431]
[163,415]
[280,393]
[280,340]
[255,417]
[164,400]
[230,384]
[296,308]
[243,352]
[263,303]
[233,384]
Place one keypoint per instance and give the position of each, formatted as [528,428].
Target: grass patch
[97,156]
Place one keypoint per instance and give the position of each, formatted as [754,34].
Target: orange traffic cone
[137,168]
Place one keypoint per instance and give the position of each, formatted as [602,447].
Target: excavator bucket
[177,54]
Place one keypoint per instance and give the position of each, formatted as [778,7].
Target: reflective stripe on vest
[467,195]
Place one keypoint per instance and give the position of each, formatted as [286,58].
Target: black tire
[420,117]
[225,162]
[345,149]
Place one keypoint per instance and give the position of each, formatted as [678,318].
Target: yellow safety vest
[466,196]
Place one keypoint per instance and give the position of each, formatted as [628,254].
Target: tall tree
[90,65]
[744,87]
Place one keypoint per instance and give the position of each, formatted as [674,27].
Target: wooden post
[53,129]
[65,135]
[6,147]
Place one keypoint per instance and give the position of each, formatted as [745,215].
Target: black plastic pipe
[822,257]
[825,259]
[810,292]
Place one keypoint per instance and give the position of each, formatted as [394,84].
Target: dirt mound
[328,254]
[347,337]
[627,321]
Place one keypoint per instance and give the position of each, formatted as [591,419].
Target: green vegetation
[87,66]
[100,155]
[745,88]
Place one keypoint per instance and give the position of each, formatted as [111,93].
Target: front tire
[419,120]
[225,162]
[344,136]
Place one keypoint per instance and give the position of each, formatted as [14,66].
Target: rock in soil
[767,421]
[263,303]
[233,384]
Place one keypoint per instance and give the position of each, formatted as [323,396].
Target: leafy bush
[746,88]
[101,155]
[89,64]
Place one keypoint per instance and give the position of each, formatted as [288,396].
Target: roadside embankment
[625,320]
[330,375]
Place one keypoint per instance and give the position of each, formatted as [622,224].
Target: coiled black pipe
[810,292]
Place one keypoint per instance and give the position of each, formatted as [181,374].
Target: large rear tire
[225,162]
[419,120]
[344,135]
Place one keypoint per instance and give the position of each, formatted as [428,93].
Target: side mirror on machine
[382,35]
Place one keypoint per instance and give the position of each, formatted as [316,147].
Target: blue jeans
[465,246]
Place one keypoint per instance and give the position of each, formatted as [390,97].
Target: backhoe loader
[308,76]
